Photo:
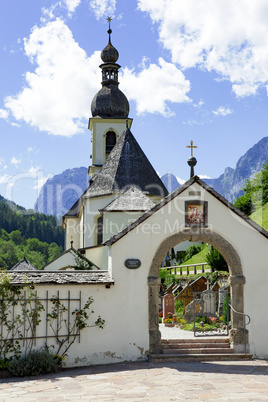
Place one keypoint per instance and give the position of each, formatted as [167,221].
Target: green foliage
[35,363]
[31,225]
[261,217]
[255,192]
[10,324]
[13,247]
[81,262]
[226,309]
[191,251]
[216,260]
[57,321]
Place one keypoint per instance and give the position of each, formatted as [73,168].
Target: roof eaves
[175,193]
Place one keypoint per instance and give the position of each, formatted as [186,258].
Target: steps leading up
[205,349]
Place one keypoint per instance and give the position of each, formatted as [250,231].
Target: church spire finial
[109,19]
[192,160]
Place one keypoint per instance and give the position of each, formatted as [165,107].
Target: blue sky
[192,70]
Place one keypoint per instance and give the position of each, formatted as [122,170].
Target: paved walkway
[146,381]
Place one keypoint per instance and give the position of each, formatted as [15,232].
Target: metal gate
[211,312]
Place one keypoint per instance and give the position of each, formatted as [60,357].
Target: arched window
[110,141]
[99,230]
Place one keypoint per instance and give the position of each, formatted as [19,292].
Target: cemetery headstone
[168,305]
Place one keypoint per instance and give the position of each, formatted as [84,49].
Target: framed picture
[196,213]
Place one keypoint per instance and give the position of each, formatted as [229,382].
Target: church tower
[109,108]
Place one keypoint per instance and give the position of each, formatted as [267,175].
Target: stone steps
[199,357]
[197,350]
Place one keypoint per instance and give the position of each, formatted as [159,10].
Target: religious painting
[196,213]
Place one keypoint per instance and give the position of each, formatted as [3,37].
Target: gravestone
[168,305]
[209,298]
[193,309]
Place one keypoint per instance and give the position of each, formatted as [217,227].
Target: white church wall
[62,262]
[94,254]
[252,247]
[72,232]
[91,213]
[99,128]
[114,222]
[119,340]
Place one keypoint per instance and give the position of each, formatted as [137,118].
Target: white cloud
[4,114]
[204,176]
[103,8]
[229,37]
[58,93]
[72,5]
[154,86]
[33,171]
[15,161]
[222,111]
[5,178]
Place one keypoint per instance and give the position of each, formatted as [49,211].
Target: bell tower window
[110,141]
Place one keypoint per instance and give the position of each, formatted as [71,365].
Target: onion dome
[110,102]
[109,53]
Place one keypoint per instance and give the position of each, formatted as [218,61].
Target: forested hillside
[14,246]
[30,224]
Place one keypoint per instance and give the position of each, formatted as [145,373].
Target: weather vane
[109,19]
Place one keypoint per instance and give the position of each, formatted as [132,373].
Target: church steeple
[110,102]
[109,107]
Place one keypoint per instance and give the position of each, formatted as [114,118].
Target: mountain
[60,192]
[231,182]
[170,181]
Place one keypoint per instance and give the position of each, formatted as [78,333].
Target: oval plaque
[132,263]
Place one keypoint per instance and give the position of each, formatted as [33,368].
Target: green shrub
[216,261]
[35,363]
[191,251]
[226,306]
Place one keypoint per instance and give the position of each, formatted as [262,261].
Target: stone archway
[237,281]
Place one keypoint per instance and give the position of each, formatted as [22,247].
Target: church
[123,226]
[123,182]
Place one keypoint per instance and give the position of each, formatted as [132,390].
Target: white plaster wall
[251,246]
[99,128]
[114,222]
[94,254]
[91,212]
[62,262]
[121,338]
[72,232]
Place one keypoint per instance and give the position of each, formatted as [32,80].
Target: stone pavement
[146,381]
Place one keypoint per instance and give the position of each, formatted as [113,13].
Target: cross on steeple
[71,237]
[191,146]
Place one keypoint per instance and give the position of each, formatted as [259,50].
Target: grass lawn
[261,216]
[196,259]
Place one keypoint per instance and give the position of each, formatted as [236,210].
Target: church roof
[126,165]
[175,193]
[24,265]
[132,199]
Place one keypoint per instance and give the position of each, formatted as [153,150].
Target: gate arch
[237,281]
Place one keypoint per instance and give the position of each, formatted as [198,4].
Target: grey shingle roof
[175,193]
[24,265]
[61,277]
[125,166]
[131,200]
